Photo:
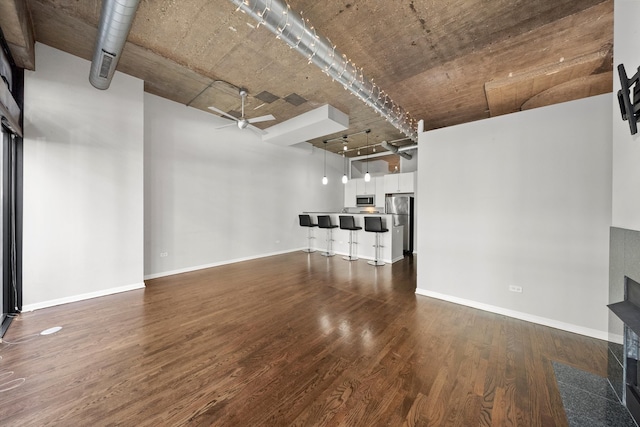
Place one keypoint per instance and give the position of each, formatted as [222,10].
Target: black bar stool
[373,224]
[305,221]
[348,223]
[324,221]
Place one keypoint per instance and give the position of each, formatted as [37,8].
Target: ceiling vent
[115,23]
[295,99]
[267,97]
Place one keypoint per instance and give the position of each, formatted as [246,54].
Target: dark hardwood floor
[294,339]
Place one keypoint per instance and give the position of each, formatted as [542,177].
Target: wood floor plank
[295,339]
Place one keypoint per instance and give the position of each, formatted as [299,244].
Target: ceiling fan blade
[226,126]
[261,119]
[256,130]
[222,113]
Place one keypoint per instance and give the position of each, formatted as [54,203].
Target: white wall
[626,148]
[83,200]
[216,196]
[522,199]
[410,165]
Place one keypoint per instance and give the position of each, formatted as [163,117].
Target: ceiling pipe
[115,23]
[300,35]
[408,147]
[395,150]
[405,147]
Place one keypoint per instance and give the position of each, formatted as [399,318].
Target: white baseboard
[216,264]
[618,339]
[593,333]
[81,297]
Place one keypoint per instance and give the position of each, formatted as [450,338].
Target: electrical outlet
[164,254]
[513,288]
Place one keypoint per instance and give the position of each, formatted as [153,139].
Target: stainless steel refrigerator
[401,209]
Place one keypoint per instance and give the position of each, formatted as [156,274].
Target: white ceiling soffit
[316,123]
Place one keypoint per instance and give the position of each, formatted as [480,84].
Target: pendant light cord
[367,176]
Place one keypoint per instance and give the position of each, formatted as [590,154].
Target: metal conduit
[290,26]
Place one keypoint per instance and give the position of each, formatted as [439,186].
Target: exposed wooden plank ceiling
[17,30]
[447,62]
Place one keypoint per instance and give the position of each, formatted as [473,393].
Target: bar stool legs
[324,221]
[351,256]
[377,260]
[309,238]
[305,221]
[329,239]
[374,225]
[348,223]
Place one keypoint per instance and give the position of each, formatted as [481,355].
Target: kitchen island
[391,241]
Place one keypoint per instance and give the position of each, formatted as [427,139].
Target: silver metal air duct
[408,147]
[289,26]
[395,150]
[115,22]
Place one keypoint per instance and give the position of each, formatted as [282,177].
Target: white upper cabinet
[379,191]
[370,187]
[378,187]
[400,183]
[364,188]
[350,193]
[407,182]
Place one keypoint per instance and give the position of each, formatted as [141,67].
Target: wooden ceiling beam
[15,21]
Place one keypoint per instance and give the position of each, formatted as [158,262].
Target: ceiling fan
[243,122]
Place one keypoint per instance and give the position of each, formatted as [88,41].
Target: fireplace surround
[628,310]
[624,317]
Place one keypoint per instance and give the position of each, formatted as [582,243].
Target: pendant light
[344,177]
[325,181]
[367,177]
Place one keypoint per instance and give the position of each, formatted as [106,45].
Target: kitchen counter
[391,241]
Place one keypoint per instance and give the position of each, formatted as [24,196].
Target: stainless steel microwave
[365,201]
